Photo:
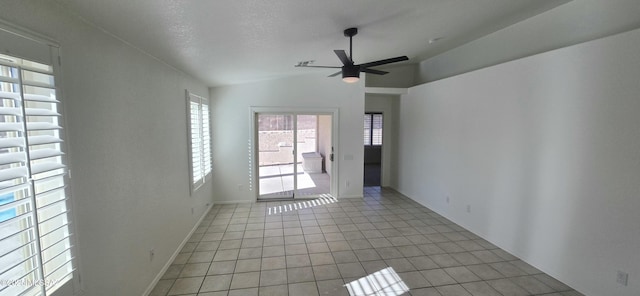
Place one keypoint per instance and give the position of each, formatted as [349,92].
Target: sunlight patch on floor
[385,282]
[324,199]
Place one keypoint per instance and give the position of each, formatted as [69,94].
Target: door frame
[253,151]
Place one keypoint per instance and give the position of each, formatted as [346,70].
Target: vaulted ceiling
[237,41]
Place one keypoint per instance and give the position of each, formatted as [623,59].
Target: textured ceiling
[230,42]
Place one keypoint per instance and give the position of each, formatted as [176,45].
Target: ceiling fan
[350,71]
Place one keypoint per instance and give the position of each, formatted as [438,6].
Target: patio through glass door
[292,154]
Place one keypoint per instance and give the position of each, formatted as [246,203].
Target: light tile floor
[246,249]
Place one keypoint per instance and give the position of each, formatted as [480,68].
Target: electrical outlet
[152,253]
[347,184]
[622,278]
[468,208]
[240,187]
[448,200]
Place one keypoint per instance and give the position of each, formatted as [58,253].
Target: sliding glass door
[292,151]
[276,159]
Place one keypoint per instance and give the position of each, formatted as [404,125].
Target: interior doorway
[294,155]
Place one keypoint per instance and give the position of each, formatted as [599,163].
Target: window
[199,139]
[373,129]
[35,236]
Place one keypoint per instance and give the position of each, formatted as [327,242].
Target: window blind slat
[40,98]
[51,178]
[53,217]
[10,95]
[40,140]
[45,153]
[43,234]
[35,126]
[47,260]
[15,111]
[11,142]
[11,127]
[16,263]
[14,204]
[38,84]
[13,236]
[45,167]
[51,192]
[12,157]
[19,275]
[14,189]
[15,229]
[49,270]
[40,112]
[10,80]
[13,173]
[53,204]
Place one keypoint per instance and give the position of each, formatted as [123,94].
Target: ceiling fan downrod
[350,33]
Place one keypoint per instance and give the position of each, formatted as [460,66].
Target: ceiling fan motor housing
[350,71]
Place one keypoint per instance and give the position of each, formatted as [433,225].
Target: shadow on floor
[372,174]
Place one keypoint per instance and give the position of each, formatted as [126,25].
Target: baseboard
[175,254]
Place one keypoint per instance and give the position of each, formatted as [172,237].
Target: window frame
[199,175]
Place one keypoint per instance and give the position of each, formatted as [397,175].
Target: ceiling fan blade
[335,74]
[342,55]
[384,62]
[372,71]
[330,67]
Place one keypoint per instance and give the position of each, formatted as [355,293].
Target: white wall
[402,75]
[231,133]
[546,152]
[127,148]
[324,140]
[568,24]
[386,105]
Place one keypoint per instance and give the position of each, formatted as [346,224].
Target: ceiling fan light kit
[350,74]
[350,71]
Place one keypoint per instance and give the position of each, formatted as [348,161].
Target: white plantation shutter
[367,129]
[197,179]
[35,244]
[199,139]
[373,129]
[206,137]
[376,129]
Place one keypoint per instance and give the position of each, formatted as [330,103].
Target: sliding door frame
[253,145]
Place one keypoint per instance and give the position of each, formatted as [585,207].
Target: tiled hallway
[315,248]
